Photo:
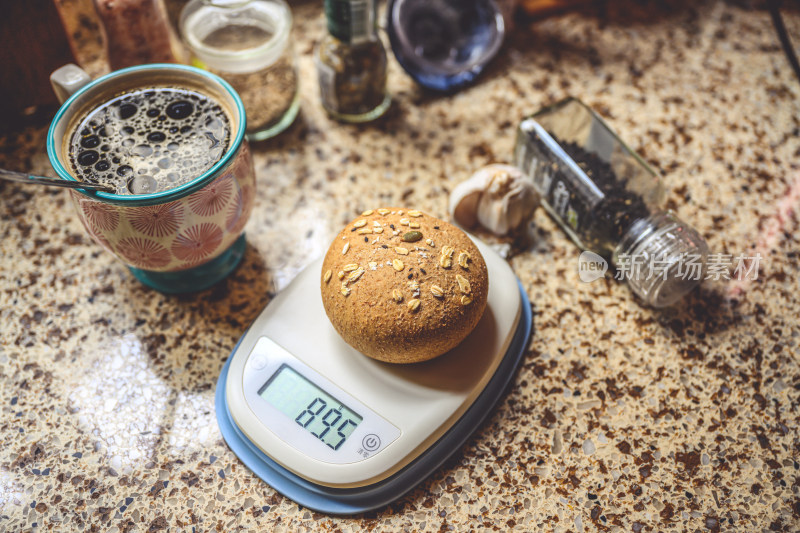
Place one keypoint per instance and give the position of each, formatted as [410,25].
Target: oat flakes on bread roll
[402,286]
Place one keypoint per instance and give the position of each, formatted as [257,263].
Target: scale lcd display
[310,407]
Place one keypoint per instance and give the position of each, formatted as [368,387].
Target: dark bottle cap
[444,44]
[351,21]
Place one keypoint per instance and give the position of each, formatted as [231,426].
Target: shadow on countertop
[173,343]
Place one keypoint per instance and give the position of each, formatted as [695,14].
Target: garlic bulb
[498,197]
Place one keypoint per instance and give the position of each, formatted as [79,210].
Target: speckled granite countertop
[620,418]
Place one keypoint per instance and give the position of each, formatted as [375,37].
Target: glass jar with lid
[249,44]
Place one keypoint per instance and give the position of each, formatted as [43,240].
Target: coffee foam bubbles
[149,140]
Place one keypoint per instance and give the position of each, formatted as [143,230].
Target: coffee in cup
[148,140]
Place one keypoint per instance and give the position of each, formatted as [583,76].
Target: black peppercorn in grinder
[608,200]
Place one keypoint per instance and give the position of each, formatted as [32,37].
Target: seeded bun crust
[402,286]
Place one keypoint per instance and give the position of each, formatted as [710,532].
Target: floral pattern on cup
[235,213]
[180,234]
[213,198]
[141,251]
[197,243]
[158,220]
[101,216]
[247,196]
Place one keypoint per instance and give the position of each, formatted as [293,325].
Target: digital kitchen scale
[341,433]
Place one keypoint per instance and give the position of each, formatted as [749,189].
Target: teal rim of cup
[158,197]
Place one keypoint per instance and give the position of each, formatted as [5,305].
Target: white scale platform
[405,419]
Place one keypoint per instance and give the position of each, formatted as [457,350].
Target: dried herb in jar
[249,44]
[351,62]
[268,94]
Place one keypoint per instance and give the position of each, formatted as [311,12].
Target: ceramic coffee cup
[177,240]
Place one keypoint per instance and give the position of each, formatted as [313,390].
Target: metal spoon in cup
[21,177]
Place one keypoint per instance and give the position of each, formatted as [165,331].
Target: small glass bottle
[351,62]
[249,44]
[608,200]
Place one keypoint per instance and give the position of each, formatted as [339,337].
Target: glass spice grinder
[608,200]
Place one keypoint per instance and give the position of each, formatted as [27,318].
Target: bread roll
[402,286]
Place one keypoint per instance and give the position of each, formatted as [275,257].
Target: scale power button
[257,361]
[371,442]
